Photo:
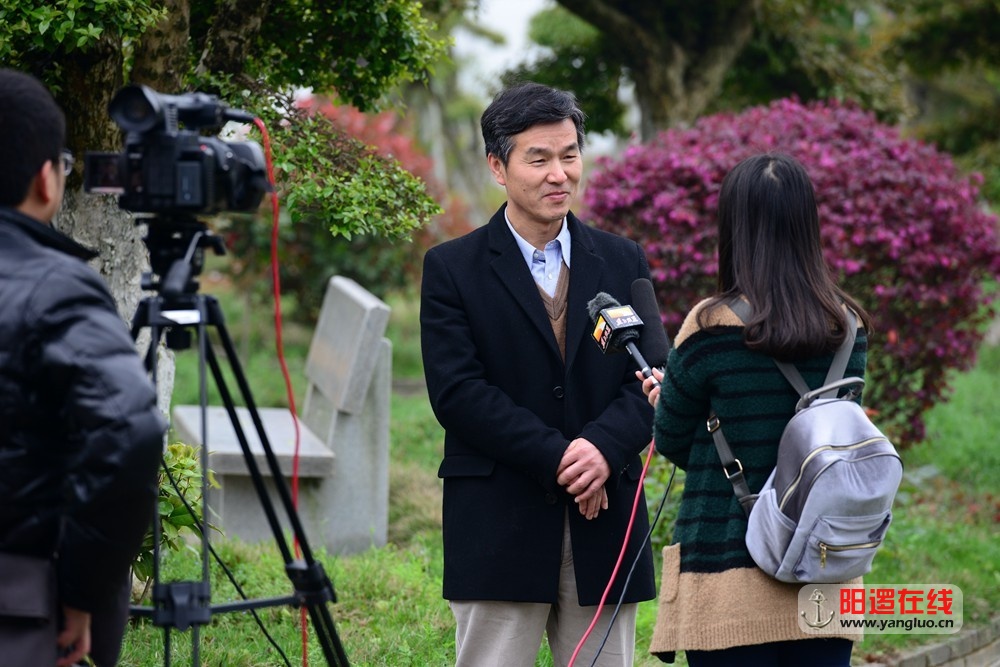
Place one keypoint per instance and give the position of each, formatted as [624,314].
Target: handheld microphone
[617,327]
[654,343]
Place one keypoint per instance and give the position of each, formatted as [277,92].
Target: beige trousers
[508,634]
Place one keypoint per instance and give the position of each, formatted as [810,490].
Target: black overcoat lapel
[584,279]
[508,263]
[585,276]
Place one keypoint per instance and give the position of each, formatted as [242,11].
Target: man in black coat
[543,433]
[80,432]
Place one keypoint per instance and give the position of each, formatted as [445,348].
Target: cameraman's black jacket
[80,432]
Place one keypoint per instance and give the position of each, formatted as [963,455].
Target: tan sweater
[555,305]
[711,611]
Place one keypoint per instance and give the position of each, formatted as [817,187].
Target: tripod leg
[255,475]
[313,587]
[176,604]
[215,314]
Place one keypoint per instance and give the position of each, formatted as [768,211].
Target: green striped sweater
[712,370]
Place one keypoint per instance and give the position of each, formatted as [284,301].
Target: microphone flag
[614,326]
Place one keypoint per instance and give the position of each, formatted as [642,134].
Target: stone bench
[344,435]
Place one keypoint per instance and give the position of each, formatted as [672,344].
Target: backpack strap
[741,308]
[837,368]
[731,465]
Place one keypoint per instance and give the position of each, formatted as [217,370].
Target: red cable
[621,557]
[276,286]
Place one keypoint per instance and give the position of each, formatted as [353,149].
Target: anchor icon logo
[818,599]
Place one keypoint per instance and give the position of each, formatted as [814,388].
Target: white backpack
[825,508]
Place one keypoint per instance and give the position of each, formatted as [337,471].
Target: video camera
[169,170]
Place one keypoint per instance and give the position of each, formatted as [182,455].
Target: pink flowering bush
[905,232]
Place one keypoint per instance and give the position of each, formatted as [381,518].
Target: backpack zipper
[823,548]
[816,452]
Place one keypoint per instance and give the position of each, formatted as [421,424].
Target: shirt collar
[528,250]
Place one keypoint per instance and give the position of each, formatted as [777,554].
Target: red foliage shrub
[905,232]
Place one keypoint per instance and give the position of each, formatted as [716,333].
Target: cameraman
[80,432]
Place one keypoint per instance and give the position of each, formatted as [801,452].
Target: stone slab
[343,351]
[226,457]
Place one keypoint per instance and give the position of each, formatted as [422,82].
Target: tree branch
[601,15]
[632,35]
[727,40]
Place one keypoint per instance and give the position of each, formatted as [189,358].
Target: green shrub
[180,495]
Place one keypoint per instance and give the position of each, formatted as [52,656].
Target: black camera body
[165,169]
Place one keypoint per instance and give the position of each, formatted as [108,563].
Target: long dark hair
[770,252]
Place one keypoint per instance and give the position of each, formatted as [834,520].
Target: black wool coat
[510,405]
[80,432]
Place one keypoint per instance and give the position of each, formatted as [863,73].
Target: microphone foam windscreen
[600,301]
[653,343]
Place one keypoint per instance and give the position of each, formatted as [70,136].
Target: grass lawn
[389,609]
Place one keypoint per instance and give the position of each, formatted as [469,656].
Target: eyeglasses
[67,162]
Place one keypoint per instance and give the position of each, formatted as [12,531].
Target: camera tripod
[176,248]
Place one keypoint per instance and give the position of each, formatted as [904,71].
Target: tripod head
[176,246]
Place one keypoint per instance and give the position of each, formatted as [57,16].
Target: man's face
[542,174]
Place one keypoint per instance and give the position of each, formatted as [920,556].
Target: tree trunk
[454,143]
[234,30]
[677,66]
[92,79]
[161,59]
[659,92]
[96,221]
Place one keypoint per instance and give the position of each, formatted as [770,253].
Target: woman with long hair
[715,604]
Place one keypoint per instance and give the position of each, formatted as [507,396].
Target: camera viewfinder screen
[102,174]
